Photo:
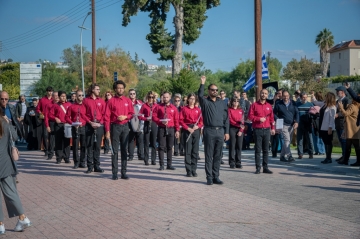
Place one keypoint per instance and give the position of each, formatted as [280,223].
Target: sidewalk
[305,162]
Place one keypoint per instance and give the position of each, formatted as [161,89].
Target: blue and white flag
[265,75]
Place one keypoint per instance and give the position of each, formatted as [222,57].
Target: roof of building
[345,45]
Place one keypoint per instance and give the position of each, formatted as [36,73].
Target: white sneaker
[2,229]
[21,225]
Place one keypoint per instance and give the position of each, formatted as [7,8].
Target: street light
[81,53]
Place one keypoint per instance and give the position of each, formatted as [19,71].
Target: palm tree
[189,59]
[324,40]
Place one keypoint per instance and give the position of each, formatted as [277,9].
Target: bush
[343,79]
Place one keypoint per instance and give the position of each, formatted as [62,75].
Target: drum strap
[62,107]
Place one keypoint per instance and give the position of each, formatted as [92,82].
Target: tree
[324,40]
[188,20]
[184,83]
[72,58]
[304,72]
[274,66]
[10,79]
[241,73]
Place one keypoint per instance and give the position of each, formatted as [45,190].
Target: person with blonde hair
[351,131]
[327,125]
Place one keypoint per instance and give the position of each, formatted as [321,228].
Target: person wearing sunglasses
[136,135]
[237,125]
[77,113]
[45,101]
[150,127]
[178,143]
[216,130]
[108,95]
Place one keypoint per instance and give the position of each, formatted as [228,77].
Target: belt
[261,128]
[121,125]
[210,127]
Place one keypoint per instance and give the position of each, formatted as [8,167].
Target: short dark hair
[132,89]
[91,88]
[118,82]
[35,99]
[49,88]
[211,85]
[166,92]
[61,92]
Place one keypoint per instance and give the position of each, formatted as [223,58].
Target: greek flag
[265,75]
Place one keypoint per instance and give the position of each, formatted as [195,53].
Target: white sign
[279,123]
[26,87]
[30,76]
[0,87]
[28,82]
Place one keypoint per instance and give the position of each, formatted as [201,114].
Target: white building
[345,58]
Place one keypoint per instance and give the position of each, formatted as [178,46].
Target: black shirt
[214,113]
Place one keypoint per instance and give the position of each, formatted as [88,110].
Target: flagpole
[258,62]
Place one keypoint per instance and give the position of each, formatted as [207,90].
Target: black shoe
[176,154]
[344,162]
[67,161]
[170,167]
[232,166]
[89,170]
[257,171]
[153,163]
[222,162]
[355,164]
[161,168]
[75,166]
[146,163]
[316,153]
[291,159]
[300,157]
[217,181]
[182,154]
[82,166]
[115,177]
[194,174]
[311,156]
[283,159]
[326,161]
[124,176]
[189,175]
[130,159]
[339,159]
[48,158]
[106,152]
[274,155]
[238,166]
[266,170]
[58,162]
[209,181]
[99,170]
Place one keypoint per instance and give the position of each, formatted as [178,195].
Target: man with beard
[49,126]
[34,125]
[95,110]
[167,118]
[136,135]
[119,111]
[44,102]
[216,130]
[262,118]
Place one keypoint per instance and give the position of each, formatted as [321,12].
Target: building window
[339,55]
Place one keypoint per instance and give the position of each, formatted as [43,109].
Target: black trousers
[50,140]
[79,137]
[106,146]
[166,143]
[191,150]
[139,138]
[93,148]
[179,144]
[150,141]
[356,144]
[62,144]
[262,138]
[45,138]
[235,146]
[275,143]
[119,136]
[213,145]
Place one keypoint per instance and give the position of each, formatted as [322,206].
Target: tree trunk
[179,32]
[325,63]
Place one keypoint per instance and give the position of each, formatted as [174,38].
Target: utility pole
[93,42]
[258,62]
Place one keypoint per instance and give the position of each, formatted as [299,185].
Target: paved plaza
[300,200]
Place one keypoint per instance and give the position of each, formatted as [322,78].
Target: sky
[41,29]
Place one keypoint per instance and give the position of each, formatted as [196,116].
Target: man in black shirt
[216,130]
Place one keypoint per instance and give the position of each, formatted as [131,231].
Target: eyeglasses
[132,93]
[151,97]
[80,95]
[214,90]
[177,100]
[4,99]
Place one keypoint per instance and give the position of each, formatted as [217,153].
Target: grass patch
[336,150]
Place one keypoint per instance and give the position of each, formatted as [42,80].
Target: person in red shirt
[119,111]
[58,114]
[262,117]
[49,126]
[41,109]
[191,122]
[237,125]
[150,127]
[77,113]
[178,143]
[95,111]
[136,134]
[166,117]
[108,95]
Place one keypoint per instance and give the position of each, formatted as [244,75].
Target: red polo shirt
[74,111]
[146,111]
[236,117]
[172,114]
[259,110]
[190,116]
[115,107]
[43,102]
[58,112]
[95,107]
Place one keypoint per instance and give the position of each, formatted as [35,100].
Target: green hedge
[341,79]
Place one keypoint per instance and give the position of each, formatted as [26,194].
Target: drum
[67,131]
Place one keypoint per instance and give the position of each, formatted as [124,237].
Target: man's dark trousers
[179,147]
[45,139]
[150,141]
[62,144]
[262,138]
[191,150]
[93,148]
[213,145]
[166,143]
[139,137]
[119,136]
[235,146]
[50,140]
[79,137]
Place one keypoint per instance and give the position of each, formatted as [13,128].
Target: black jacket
[19,108]
[290,114]
[339,121]
[15,121]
